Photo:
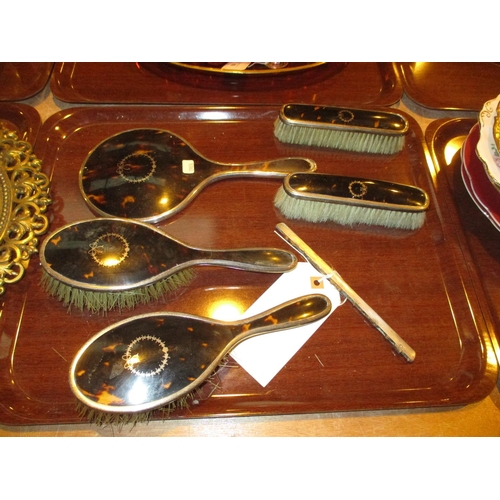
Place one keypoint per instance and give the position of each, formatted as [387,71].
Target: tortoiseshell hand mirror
[152,174]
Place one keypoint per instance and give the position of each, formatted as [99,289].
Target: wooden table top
[475,407]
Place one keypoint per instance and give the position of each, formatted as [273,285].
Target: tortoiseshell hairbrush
[106,263]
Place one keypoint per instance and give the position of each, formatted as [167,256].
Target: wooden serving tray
[22,119]
[458,86]
[347,84]
[419,282]
[482,238]
[21,80]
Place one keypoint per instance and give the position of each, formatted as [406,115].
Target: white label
[236,66]
[188,166]
[265,355]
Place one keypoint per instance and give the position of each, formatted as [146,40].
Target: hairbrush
[107,263]
[317,197]
[360,130]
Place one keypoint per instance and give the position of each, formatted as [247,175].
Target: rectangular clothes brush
[360,130]
[398,344]
[317,197]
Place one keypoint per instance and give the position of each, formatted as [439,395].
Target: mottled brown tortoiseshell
[152,174]
[131,258]
[150,360]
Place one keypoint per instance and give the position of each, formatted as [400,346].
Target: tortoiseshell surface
[150,360]
[381,194]
[120,254]
[151,174]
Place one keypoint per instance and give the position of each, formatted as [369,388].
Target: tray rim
[31,120]
[391,84]
[431,133]
[29,91]
[416,96]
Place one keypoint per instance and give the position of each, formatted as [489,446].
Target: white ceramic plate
[486,148]
[477,183]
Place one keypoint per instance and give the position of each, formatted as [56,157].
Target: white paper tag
[236,66]
[188,166]
[265,355]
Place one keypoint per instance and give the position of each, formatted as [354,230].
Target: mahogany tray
[22,80]
[420,282]
[457,86]
[22,119]
[349,84]
[482,238]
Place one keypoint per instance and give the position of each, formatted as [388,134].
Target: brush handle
[361,120]
[357,191]
[399,345]
[263,260]
[298,312]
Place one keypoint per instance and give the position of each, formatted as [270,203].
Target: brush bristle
[344,214]
[102,418]
[363,142]
[97,302]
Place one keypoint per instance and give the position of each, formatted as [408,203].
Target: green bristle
[363,142]
[97,302]
[345,214]
[102,418]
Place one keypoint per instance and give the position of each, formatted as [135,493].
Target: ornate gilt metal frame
[24,198]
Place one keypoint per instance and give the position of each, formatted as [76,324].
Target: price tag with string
[264,356]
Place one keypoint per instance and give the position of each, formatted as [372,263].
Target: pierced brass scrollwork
[24,198]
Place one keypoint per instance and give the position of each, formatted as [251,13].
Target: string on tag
[317,282]
[324,277]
